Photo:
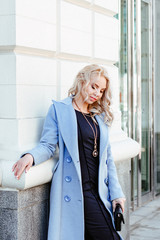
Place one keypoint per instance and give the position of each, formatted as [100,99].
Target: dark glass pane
[123,67]
[145,97]
[157,96]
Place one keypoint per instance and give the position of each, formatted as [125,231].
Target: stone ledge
[123,149]
[36,176]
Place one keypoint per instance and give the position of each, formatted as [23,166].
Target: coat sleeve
[115,189]
[49,138]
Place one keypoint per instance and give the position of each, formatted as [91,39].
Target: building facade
[139,89]
[43,44]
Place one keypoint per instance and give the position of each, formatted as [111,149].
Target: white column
[43,45]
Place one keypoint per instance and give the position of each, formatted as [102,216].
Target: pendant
[95,153]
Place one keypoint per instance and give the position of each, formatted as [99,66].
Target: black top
[89,164]
[98,222]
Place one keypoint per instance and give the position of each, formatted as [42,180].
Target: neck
[79,104]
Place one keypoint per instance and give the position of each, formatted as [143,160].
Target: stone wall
[123,170]
[24,214]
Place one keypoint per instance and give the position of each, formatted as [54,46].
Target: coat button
[106,181]
[69,160]
[68,179]
[67,198]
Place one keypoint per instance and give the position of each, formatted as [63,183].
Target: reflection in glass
[157,96]
[145,97]
[123,67]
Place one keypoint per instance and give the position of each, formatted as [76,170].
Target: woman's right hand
[22,165]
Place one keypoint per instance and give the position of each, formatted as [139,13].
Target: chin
[92,102]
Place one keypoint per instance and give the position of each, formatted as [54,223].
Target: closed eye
[93,87]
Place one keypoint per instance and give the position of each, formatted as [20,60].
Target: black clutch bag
[118,217]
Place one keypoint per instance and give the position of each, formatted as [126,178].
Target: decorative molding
[93,7]
[54,54]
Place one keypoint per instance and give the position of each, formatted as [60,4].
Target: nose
[97,92]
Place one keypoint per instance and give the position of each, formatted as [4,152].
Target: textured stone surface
[8,224]
[33,196]
[24,214]
[8,199]
[33,222]
[123,170]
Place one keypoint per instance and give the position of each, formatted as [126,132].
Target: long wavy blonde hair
[82,80]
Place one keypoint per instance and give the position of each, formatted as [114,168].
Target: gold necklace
[95,151]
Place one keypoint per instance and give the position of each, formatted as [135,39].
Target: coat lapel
[68,127]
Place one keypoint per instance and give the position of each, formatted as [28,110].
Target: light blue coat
[66,220]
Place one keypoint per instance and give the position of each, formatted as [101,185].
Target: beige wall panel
[8,133]
[75,42]
[75,17]
[7,30]
[114,81]
[21,135]
[69,71]
[75,29]
[113,73]
[106,48]
[7,7]
[8,108]
[64,92]
[106,26]
[29,131]
[110,5]
[32,70]
[33,101]
[37,9]
[7,68]
[36,34]
[106,37]
[20,132]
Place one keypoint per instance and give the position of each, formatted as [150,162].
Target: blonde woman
[85,187]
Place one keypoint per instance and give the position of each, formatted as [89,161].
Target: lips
[93,99]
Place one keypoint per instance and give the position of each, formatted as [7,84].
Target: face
[95,89]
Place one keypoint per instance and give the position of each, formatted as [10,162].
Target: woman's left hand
[121,201]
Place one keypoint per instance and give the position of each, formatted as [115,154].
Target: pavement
[145,222]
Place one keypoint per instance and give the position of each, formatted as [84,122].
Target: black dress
[98,222]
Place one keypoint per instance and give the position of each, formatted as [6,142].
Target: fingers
[14,167]
[121,201]
[22,165]
[28,167]
[19,168]
[114,202]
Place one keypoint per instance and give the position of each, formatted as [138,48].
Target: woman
[85,188]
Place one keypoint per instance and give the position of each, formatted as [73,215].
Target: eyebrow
[98,86]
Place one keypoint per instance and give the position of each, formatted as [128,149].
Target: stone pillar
[123,170]
[24,214]
[27,85]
